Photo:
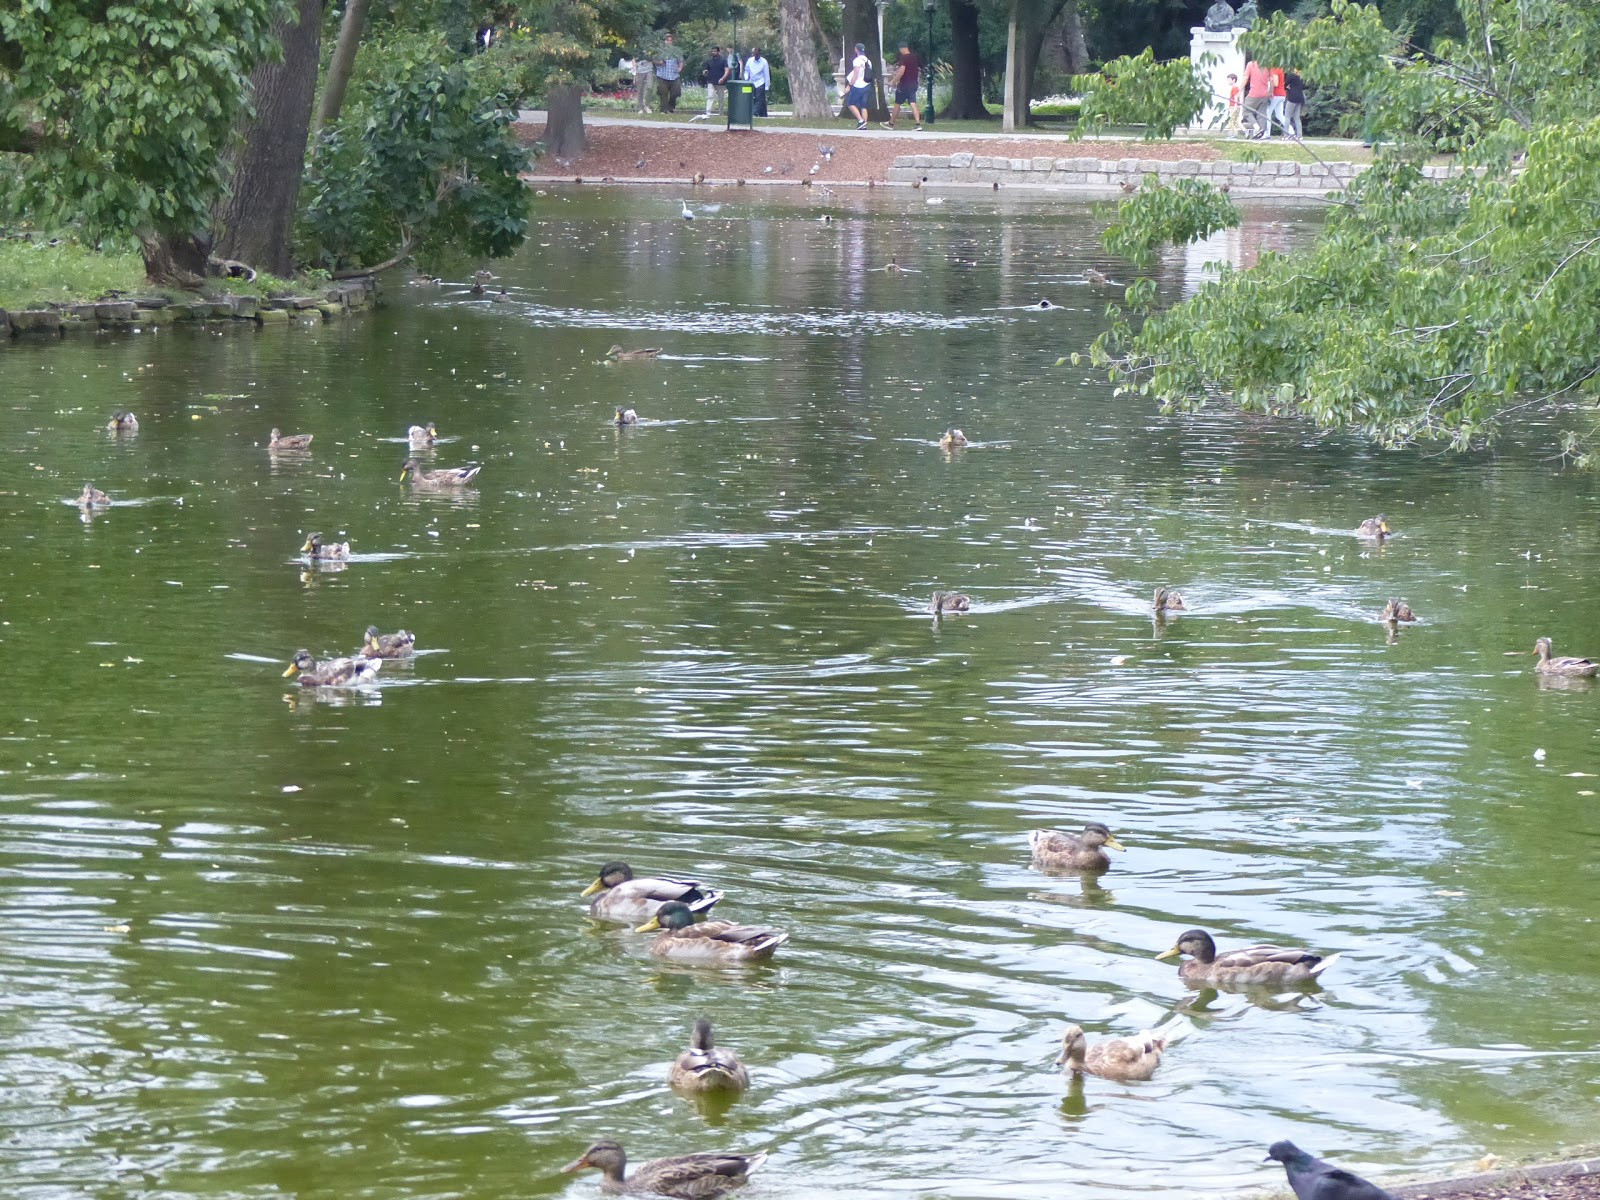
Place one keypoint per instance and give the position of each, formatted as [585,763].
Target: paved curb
[1470,1184]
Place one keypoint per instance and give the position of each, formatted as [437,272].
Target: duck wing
[1052,842]
[695,1175]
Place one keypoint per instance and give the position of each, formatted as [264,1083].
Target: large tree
[1435,304]
[797,26]
[122,115]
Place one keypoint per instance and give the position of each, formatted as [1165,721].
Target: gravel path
[677,154]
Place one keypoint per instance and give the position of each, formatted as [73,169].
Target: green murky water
[263,943]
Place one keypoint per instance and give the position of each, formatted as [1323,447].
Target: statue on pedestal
[1220,17]
[1247,16]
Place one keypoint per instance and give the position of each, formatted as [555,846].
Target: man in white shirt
[859,98]
[759,74]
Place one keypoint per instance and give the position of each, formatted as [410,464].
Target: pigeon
[1313,1179]
[826,151]
[639,166]
[1129,188]
[815,167]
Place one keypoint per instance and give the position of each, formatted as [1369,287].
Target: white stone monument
[1222,45]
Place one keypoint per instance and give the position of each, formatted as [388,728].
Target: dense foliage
[123,111]
[1434,304]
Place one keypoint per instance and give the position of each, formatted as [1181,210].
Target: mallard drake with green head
[710,943]
[1253,966]
[944,602]
[706,1067]
[1167,600]
[123,421]
[1397,611]
[1582,668]
[387,645]
[338,672]
[315,547]
[688,1176]
[618,896]
[643,354]
[1054,850]
[1374,529]
[1115,1058]
[92,497]
[953,439]
[422,436]
[289,441]
[625,416]
[445,477]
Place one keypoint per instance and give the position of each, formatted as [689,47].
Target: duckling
[620,897]
[944,602]
[625,416]
[422,435]
[123,421]
[688,1176]
[953,439]
[710,943]
[1252,966]
[1168,600]
[1054,850]
[92,497]
[387,645]
[314,548]
[618,354]
[1374,529]
[289,441]
[338,672]
[1582,668]
[445,477]
[1396,611]
[1095,277]
[704,1067]
[1115,1058]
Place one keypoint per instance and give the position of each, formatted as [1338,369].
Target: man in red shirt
[1257,99]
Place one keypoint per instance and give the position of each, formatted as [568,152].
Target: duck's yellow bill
[575,1165]
[1113,844]
[1169,953]
[288,671]
[650,926]
[404,471]
[597,886]
[306,549]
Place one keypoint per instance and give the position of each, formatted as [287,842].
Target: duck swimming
[1396,611]
[710,943]
[316,548]
[92,497]
[338,672]
[1167,600]
[1057,851]
[1374,529]
[953,439]
[445,477]
[422,435]
[705,1067]
[1252,966]
[1581,668]
[944,602]
[1115,1058]
[618,354]
[289,441]
[387,645]
[687,1176]
[625,416]
[123,421]
[621,897]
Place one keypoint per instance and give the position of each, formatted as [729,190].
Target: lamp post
[927,67]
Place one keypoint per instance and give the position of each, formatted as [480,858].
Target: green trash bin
[741,103]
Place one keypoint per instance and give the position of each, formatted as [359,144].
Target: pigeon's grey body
[1313,1179]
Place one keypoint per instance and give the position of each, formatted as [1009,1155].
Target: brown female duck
[690,1176]
[1581,668]
[123,421]
[706,1067]
[1167,600]
[387,645]
[643,354]
[1374,529]
[953,439]
[92,497]
[289,441]
[944,602]
[338,672]
[315,547]
[1057,851]
[1252,966]
[1397,611]
[1115,1058]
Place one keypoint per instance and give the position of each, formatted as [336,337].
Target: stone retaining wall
[1109,174]
[153,312]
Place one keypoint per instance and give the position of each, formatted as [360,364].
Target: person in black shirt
[716,79]
[1294,103]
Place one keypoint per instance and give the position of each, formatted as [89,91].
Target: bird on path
[826,150]
[1313,1179]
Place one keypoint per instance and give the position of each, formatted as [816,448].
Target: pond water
[263,942]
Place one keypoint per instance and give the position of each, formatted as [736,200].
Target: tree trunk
[344,61]
[1008,111]
[255,217]
[563,131]
[797,29]
[1073,43]
[175,261]
[966,81]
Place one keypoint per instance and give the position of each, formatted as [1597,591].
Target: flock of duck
[678,911]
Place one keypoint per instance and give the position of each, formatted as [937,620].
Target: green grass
[34,273]
[1282,151]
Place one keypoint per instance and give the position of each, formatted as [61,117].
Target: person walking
[717,70]
[759,74]
[859,98]
[907,70]
[1275,105]
[644,76]
[1235,110]
[668,67]
[1294,102]
[1257,99]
